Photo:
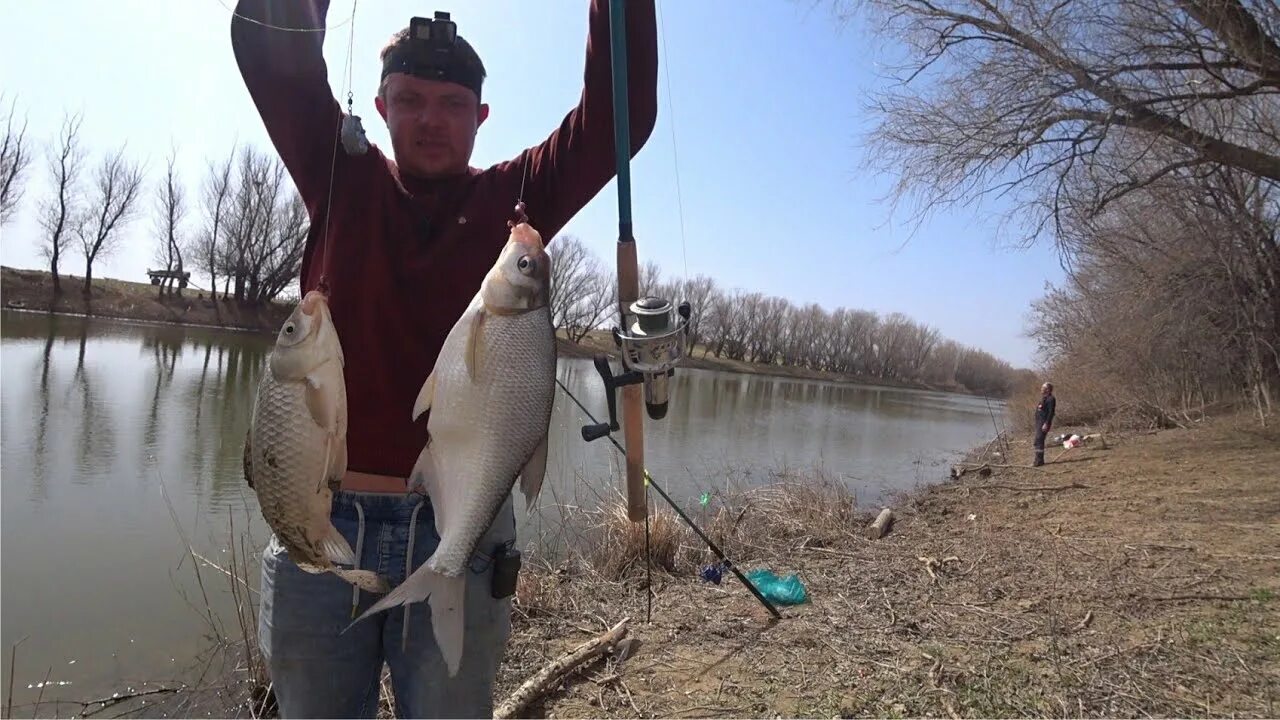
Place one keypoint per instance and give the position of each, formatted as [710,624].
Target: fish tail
[366,580]
[336,548]
[445,595]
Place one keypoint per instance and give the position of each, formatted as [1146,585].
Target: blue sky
[767,103]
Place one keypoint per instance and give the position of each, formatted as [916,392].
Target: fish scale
[489,395]
[469,445]
[295,449]
[279,458]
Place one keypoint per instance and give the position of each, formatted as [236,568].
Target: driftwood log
[549,675]
[878,528]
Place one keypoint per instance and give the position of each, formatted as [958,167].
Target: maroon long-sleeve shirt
[408,254]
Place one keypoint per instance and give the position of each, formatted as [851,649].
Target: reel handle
[611,384]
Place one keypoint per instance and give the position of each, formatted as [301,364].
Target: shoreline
[31,290]
[1102,583]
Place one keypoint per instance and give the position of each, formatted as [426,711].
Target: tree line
[243,226]
[757,328]
[1142,137]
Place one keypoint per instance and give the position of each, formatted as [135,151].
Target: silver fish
[296,450]
[490,395]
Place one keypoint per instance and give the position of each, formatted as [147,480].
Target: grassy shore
[1134,576]
[1136,579]
[33,290]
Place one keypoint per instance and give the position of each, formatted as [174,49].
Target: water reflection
[97,414]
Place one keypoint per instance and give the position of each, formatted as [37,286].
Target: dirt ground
[1132,580]
[33,290]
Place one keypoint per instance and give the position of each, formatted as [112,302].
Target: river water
[120,446]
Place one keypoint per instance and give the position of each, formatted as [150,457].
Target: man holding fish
[412,385]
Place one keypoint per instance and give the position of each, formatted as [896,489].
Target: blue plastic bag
[782,591]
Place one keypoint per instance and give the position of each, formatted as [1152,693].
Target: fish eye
[288,329]
[525,264]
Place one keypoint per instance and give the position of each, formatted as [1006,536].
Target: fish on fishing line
[295,452]
[490,394]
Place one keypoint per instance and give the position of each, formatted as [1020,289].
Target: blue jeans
[317,672]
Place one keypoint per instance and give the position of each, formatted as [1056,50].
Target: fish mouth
[524,234]
[311,301]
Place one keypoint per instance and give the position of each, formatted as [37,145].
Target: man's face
[433,124]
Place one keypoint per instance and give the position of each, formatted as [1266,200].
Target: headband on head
[432,52]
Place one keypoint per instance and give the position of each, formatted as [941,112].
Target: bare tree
[650,277]
[697,291]
[266,229]
[59,212]
[171,209]
[575,274]
[208,243]
[1031,93]
[117,185]
[15,158]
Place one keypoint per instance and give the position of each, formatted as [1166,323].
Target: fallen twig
[1070,486]
[1088,618]
[1175,598]
[829,551]
[116,700]
[547,677]
[881,525]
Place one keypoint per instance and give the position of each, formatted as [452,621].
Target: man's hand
[1045,427]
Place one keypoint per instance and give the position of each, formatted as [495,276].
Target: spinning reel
[651,347]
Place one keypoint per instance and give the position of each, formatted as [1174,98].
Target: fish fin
[367,580]
[423,402]
[336,547]
[447,620]
[322,402]
[532,474]
[421,474]
[445,595]
[474,342]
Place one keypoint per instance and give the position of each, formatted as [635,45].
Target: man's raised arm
[572,165]
[286,76]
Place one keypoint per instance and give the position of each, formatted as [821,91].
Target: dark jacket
[407,255]
[1045,409]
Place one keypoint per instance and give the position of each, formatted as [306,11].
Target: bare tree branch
[15,159]
[57,214]
[117,185]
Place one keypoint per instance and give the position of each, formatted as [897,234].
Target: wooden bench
[158,275]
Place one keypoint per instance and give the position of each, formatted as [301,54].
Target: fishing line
[650,482]
[278,27]
[674,154]
[323,285]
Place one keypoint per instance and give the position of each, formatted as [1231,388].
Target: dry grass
[1121,597]
[1141,581]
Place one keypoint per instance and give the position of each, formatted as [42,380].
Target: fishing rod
[650,341]
[715,549]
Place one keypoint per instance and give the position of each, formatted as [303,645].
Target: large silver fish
[490,395]
[296,450]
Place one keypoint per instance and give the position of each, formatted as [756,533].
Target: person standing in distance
[409,239]
[1044,420]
